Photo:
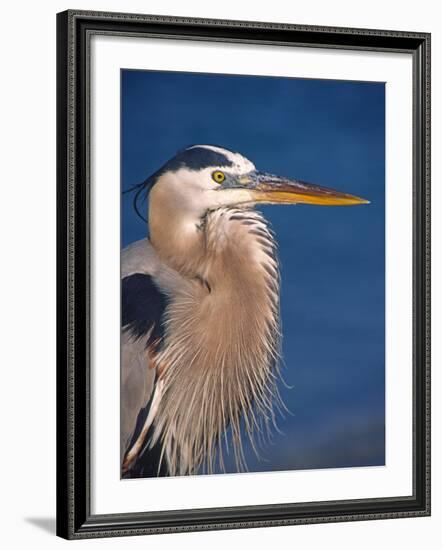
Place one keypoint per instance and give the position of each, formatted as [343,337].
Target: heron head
[207,177]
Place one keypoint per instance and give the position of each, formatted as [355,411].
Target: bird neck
[177,235]
[221,342]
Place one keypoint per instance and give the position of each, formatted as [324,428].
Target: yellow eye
[218,176]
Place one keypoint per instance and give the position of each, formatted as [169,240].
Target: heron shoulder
[139,257]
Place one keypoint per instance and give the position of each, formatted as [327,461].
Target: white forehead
[240,164]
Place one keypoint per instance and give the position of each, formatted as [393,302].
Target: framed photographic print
[243,274]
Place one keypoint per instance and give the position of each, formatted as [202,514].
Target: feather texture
[221,346]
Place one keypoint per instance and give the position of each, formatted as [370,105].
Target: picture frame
[75,517]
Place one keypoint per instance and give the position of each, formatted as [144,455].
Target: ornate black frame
[74,519]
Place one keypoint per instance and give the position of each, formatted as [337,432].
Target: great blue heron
[200,311]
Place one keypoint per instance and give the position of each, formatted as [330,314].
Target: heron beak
[268,188]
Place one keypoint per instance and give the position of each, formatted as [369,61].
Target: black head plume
[141,191]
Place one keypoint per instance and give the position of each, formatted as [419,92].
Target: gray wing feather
[147,287]
[137,382]
[137,378]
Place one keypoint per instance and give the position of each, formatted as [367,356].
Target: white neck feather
[219,359]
